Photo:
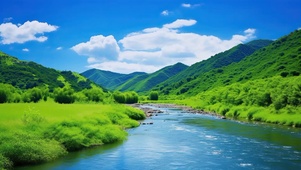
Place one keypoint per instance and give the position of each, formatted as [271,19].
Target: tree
[94,94]
[3,96]
[153,95]
[64,95]
[131,97]
[119,97]
[35,94]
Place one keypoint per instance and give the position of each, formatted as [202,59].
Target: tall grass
[33,133]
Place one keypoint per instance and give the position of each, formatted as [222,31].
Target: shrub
[94,94]
[119,97]
[26,148]
[78,134]
[153,95]
[3,96]
[64,95]
[284,74]
[35,94]
[131,97]
[5,163]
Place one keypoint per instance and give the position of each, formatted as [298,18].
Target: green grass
[39,132]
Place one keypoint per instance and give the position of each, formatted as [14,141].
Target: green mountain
[179,82]
[146,82]
[282,57]
[26,75]
[109,80]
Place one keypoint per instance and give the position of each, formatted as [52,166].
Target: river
[180,140]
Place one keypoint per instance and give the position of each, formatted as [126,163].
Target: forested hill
[282,57]
[144,83]
[230,56]
[109,80]
[26,75]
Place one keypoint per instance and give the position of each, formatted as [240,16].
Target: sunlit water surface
[179,140]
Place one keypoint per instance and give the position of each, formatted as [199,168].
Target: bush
[119,97]
[94,94]
[131,97]
[78,134]
[5,163]
[64,95]
[35,94]
[3,96]
[153,95]
[23,148]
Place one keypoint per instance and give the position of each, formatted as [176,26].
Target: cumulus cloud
[98,48]
[153,48]
[25,49]
[165,13]
[21,33]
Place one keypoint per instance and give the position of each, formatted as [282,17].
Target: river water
[179,140]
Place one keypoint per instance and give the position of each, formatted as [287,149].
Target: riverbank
[290,118]
[33,133]
[152,112]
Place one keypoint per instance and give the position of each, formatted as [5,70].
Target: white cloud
[153,48]
[299,28]
[124,67]
[29,31]
[165,13]
[190,5]
[180,23]
[98,48]
[25,49]
[59,48]
[186,5]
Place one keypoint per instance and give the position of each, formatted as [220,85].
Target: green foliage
[131,97]
[46,131]
[35,94]
[8,93]
[3,96]
[145,82]
[5,163]
[119,97]
[94,94]
[134,113]
[259,100]
[192,77]
[25,147]
[32,118]
[154,95]
[64,95]
[108,79]
[27,75]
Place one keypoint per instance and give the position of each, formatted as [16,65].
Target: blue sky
[137,35]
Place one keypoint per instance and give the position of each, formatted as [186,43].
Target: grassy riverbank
[39,132]
[272,100]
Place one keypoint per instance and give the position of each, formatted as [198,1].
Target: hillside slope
[232,55]
[144,83]
[108,79]
[26,75]
[282,57]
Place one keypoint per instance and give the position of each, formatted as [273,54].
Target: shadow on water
[279,135]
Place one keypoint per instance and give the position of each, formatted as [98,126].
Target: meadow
[33,133]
